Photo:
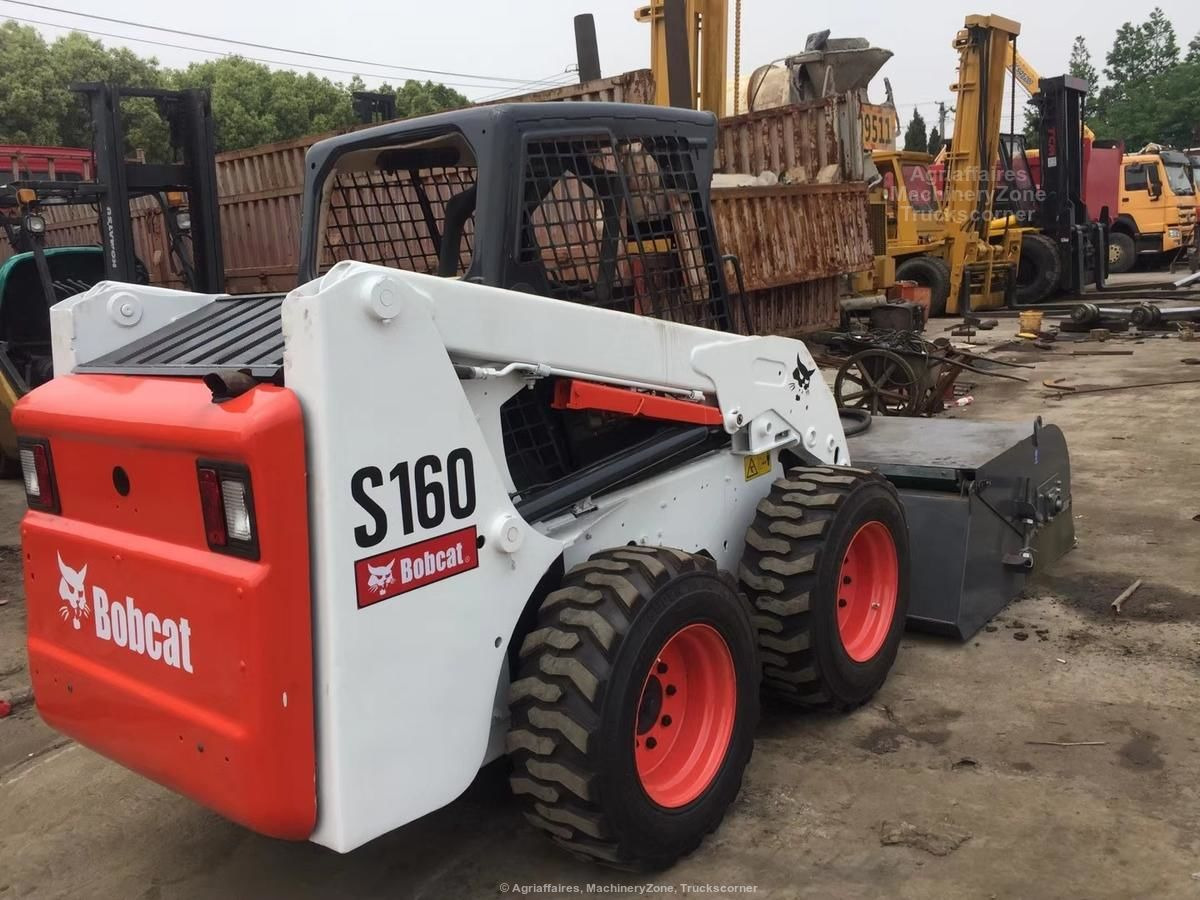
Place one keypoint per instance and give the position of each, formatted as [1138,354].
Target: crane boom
[1027,77]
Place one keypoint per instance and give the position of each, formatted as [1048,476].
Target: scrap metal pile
[900,373]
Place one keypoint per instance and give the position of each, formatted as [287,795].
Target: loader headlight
[34,224]
[1173,233]
[183,221]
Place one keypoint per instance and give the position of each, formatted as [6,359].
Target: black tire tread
[932,272]
[779,577]
[1042,252]
[556,700]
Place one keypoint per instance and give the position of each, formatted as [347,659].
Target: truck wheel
[931,272]
[827,566]
[1122,253]
[1039,270]
[634,706]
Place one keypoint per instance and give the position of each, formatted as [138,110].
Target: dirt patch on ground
[1094,593]
[1138,752]
[922,728]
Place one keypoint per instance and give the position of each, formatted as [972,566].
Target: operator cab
[608,207]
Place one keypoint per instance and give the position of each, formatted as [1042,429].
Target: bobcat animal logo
[73,593]
[802,377]
[381,577]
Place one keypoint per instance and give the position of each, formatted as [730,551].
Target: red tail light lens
[37,468]
[228,508]
[214,512]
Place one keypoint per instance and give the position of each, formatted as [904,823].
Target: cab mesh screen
[620,224]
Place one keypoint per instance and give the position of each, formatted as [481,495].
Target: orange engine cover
[189,666]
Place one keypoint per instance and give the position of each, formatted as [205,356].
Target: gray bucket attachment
[987,504]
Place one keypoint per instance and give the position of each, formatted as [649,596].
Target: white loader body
[421,562]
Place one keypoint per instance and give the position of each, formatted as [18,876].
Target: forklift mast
[1062,213]
[188,114]
[1060,104]
[977,268]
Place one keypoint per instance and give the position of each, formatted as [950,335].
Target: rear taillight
[228,508]
[37,468]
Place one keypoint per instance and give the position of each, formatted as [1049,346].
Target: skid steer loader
[494,480]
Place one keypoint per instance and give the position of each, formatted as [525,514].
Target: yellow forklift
[950,243]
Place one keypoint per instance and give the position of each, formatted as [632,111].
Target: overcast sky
[533,39]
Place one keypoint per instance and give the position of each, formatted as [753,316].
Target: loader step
[244,332]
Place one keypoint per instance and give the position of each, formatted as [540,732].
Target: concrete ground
[937,788]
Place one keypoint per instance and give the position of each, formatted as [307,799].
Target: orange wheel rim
[685,716]
[867,588]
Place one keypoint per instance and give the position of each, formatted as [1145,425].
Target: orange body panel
[203,679]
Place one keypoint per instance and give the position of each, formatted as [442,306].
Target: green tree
[1142,69]
[935,141]
[1161,43]
[915,137]
[31,105]
[1032,124]
[1081,65]
[1193,53]
[1141,52]
[252,104]
[419,98]
[1172,119]
[76,58]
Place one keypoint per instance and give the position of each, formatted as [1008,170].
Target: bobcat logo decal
[381,577]
[801,377]
[73,593]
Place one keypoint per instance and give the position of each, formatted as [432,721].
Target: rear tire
[642,648]
[828,543]
[1122,253]
[932,272]
[1039,270]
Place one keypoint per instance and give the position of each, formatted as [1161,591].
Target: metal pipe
[1092,314]
[540,370]
[1147,315]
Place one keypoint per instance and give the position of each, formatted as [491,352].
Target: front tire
[634,707]
[1122,253]
[827,567]
[1039,270]
[932,272]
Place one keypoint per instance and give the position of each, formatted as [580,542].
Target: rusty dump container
[802,137]
[794,242]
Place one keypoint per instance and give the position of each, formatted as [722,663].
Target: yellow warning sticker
[758,464]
